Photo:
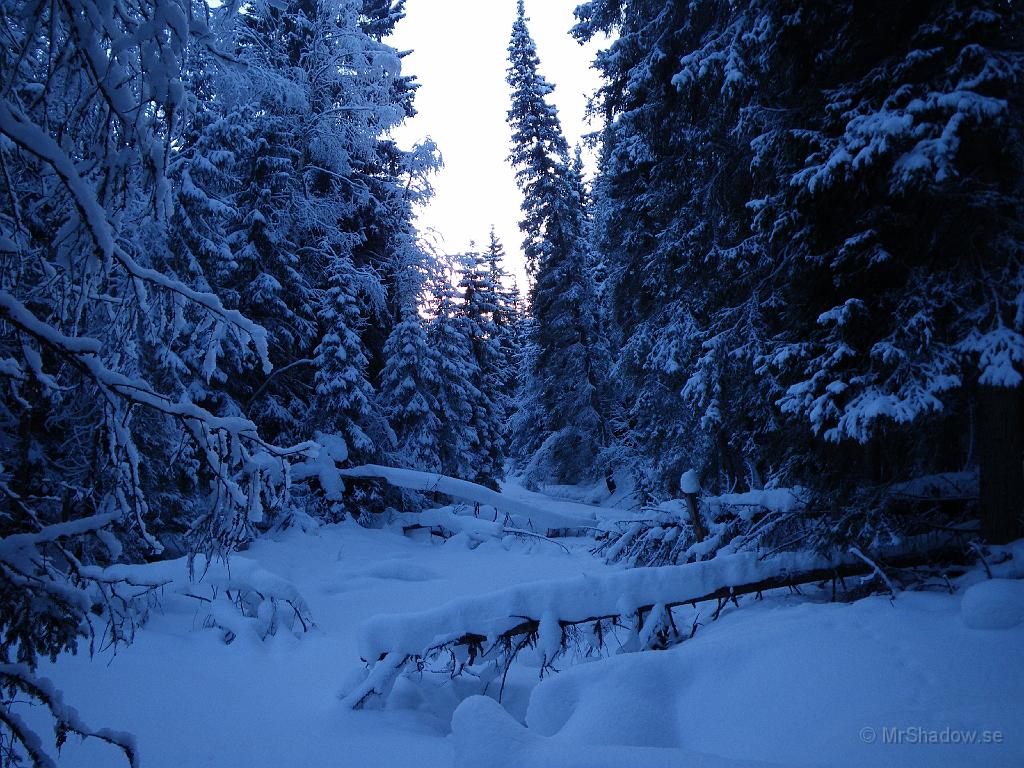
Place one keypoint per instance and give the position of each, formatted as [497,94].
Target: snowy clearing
[790,680]
[292,474]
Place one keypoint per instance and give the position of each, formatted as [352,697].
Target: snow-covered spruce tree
[199,355]
[506,318]
[478,312]
[378,17]
[345,403]
[810,230]
[203,171]
[386,182]
[266,279]
[321,190]
[272,283]
[894,196]
[409,382]
[458,440]
[397,181]
[399,358]
[88,125]
[569,375]
[673,233]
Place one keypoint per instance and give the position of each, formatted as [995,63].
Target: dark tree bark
[1001,456]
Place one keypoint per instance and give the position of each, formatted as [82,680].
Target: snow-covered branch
[585,611]
[66,718]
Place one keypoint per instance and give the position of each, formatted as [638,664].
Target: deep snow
[788,680]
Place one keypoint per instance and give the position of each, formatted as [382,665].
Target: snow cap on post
[689,483]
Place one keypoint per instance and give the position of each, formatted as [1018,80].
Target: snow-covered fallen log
[447,522]
[523,515]
[575,600]
[552,615]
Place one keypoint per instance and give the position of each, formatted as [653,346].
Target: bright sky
[459,56]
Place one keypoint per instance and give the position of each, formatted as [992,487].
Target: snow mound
[993,604]
[573,707]
[485,734]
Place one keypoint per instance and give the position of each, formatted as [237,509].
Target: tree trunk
[1001,456]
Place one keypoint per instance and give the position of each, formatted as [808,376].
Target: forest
[284,483]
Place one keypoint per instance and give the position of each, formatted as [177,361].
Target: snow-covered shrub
[796,519]
[242,598]
[756,521]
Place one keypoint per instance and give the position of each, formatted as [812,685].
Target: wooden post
[689,484]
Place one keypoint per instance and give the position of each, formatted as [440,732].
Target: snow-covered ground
[787,681]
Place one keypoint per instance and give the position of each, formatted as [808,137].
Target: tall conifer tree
[458,441]
[568,378]
[478,321]
[409,381]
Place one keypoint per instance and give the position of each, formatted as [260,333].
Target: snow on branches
[482,636]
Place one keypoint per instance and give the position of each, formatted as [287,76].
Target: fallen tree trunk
[497,626]
[819,575]
[525,515]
